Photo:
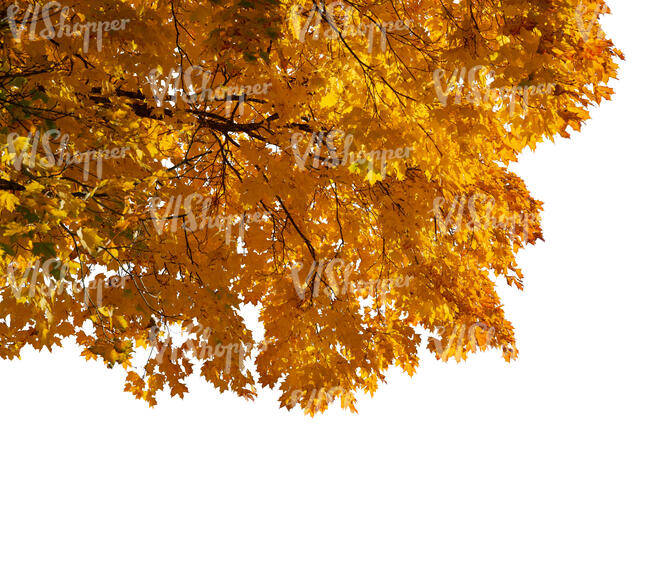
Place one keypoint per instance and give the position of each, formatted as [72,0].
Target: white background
[535,473]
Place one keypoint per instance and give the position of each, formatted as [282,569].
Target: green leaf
[7,249]
[44,250]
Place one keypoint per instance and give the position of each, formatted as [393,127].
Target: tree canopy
[344,167]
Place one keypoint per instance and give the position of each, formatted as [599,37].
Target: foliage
[271,94]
